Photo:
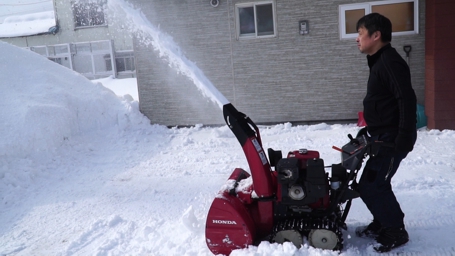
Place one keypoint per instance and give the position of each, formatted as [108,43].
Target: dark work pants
[374,185]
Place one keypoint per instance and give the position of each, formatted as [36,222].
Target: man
[390,115]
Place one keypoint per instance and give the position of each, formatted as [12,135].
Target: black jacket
[390,102]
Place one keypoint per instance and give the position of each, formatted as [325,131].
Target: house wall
[68,34]
[314,77]
[440,65]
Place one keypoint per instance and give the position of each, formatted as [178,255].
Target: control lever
[352,139]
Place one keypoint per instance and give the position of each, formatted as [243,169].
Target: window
[404,15]
[87,58]
[59,53]
[124,61]
[92,59]
[89,13]
[255,20]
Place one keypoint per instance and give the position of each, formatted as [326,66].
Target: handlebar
[353,153]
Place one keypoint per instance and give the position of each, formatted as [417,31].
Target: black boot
[390,238]
[371,231]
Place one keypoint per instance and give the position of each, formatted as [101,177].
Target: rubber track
[303,226]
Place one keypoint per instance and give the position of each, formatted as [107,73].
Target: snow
[25,17]
[167,48]
[29,24]
[83,172]
[124,87]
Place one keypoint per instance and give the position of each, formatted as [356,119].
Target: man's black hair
[376,22]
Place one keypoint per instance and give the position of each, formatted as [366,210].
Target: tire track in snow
[437,252]
[421,231]
[432,223]
[102,236]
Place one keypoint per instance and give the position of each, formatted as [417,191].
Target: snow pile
[126,87]
[43,103]
[27,24]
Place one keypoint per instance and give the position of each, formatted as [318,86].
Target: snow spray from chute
[169,50]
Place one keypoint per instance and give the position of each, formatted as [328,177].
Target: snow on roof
[27,24]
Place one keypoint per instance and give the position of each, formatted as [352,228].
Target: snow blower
[283,199]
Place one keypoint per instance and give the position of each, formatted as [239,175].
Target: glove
[405,142]
[363,131]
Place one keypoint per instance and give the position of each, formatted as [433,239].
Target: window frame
[367,6]
[54,56]
[125,56]
[94,54]
[101,3]
[255,35]
[91,52]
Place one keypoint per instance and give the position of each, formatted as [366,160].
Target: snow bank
[43,104]
[126,87]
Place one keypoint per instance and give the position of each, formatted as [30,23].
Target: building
[276,61]
[289,61]
[440,64]
[83,35]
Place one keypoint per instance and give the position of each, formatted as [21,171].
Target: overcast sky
[20,7]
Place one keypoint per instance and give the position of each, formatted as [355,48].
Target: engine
[302,183]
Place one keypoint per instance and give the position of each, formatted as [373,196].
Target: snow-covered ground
[83,172]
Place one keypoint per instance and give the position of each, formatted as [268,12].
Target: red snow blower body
[284,199]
